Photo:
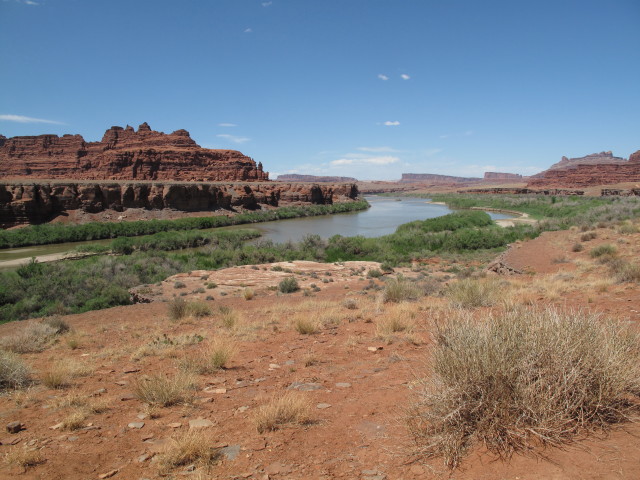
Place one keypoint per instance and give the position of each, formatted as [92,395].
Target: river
[384,216]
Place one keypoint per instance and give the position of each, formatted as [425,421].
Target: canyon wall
[585,175]
[492,176]
[293,177]
[435,179]
[124,154]
[32,203]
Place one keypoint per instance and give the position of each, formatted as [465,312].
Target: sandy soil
[357,378]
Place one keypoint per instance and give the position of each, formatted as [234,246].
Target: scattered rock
[343,385]
[131,370]
[143,458]
[231,452]
[98,392]
[374,349]
[108,474]
[127,397]
[322,406]
[15,427]
[200,423]
[57,426]
[217,391]
[136,425]
[174,425]
[273,366]
[304,387]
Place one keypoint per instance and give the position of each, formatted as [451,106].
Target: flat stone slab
[231,452]
[200,423]
[304,387]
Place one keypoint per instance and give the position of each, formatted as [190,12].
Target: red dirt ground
[360,435]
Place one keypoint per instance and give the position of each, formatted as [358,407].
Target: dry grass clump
[291,408]
[396,320]
[471,293]
[400,289]
[14,373]
[61,373]
[306,324]
[24,457]
[34,337]
[623,271]
[164,390]
[214,357]
[179,308]
[248,294]
[606,249]
[75,420]
[192,447]
[525,377]
[228,317]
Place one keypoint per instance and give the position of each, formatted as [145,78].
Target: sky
[363,88]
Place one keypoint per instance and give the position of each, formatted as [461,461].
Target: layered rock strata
[293,177]
[523,191]
[612,170]
[492,176]
[25,203]
[435,179]
[124,154]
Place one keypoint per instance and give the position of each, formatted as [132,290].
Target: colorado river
[384,216]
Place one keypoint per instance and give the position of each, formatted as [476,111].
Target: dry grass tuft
[192,447]
[396,320]
[164,390]
[306,324]
[400,289]
[34,337]
[61,373]
[14,373]
[24,457]
[248,294]
[471,293]
[291,408]
[524,378]
[214,357]
[75,420]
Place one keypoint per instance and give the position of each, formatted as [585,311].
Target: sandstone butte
[124,154]
[43,176]
[592,170]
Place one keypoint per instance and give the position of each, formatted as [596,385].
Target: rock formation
[22,203]
[292,177]
[492,176]
[602,158]
[435,179]
[614,170]
[124,154]
[523,191]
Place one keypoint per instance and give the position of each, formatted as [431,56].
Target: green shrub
[602,250]
[524,378]
[288,285]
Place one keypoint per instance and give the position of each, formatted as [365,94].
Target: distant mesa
[436,179]
[124,154]
[591,170]
[293,177]
[502,176]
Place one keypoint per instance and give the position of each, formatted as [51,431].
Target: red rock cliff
[124,154]
[585,175]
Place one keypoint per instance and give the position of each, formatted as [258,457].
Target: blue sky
[363,88]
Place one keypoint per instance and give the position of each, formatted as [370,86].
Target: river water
[384,216]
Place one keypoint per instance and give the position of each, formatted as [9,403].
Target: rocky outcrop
[523,191]
[292,177]
[491,176]
[435,179]
[586,175]
[602,158]
[124,154]
[614,192]
[24,203]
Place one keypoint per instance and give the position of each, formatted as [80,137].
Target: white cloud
[233,138]
[391,124]
[227,125]
[267,4]
[404,76]
[376,149]
[383,77]
[23,119]
[365,161]
[247,30]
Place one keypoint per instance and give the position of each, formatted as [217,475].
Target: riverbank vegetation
[103,281]
[59,233]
